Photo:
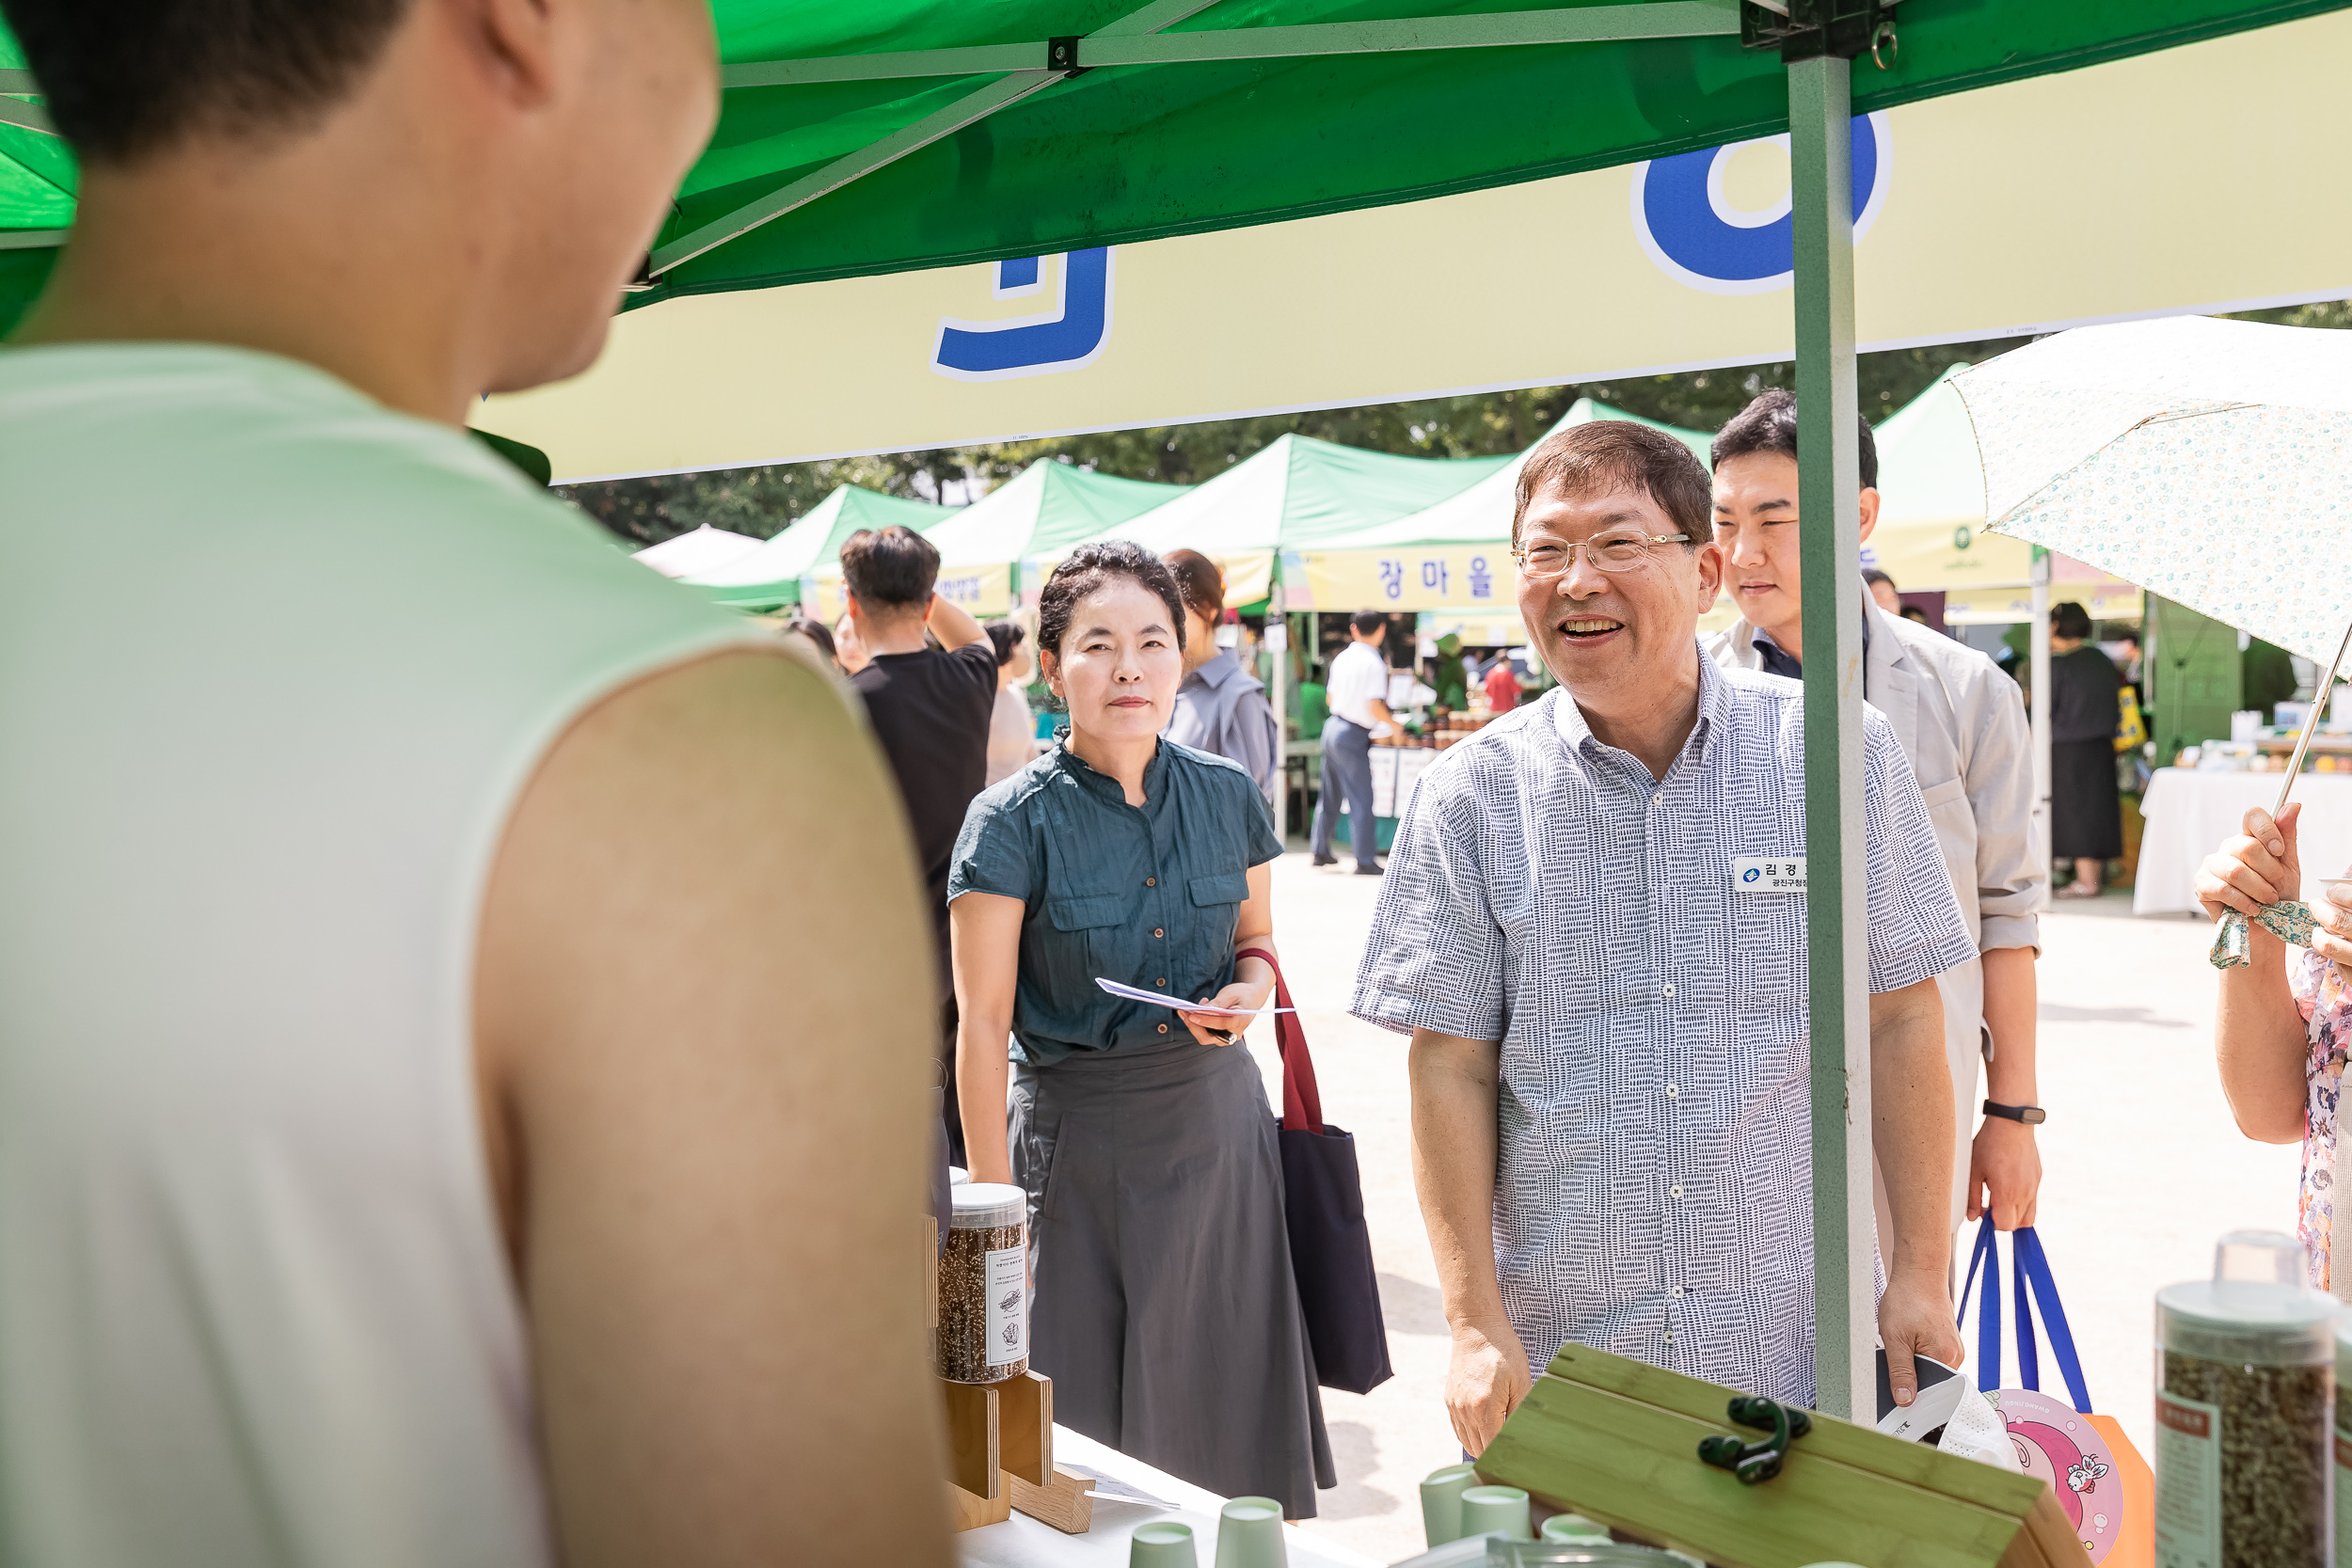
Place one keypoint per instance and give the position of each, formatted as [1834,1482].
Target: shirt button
[1151,881]
[1670,1335]
[1671,1090]
[1670,991]
[1655,799]
[1156,931]
[1675,1191]
[1163,1028]
[1678,1292]
[1161,981]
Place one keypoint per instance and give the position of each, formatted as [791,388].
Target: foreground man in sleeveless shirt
[461,1093]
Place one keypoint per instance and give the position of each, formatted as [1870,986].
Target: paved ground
[2144,1169]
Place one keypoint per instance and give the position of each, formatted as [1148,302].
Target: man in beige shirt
[1962,725]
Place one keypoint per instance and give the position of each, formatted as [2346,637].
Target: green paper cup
[1249,1534]
[1441,1502]
[1496,1510]
[1162,1543]
[1572,1527]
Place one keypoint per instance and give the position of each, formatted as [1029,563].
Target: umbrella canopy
[1930,531]
[769,576]
[1042,510]
[2207,461]
[705,549]
[880,135]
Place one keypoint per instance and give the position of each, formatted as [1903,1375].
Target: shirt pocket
[1092,939]
[1208,948]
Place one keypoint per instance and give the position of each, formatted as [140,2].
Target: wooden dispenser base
[1000,1456]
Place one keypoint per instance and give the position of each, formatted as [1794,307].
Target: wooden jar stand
[1000,1457]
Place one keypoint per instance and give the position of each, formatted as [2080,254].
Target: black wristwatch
[2032,1116]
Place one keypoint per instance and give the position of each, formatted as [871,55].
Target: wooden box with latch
[1619,1442]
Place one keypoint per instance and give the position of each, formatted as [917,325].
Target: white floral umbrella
[2207,461]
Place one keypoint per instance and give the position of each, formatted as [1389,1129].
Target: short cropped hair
[126,81]
[894,569]
[1873,576]
[1770,424]
[1198,580]
[1367,621]
[1090,567]
[2070,620]
[1609,454]
[1005,637]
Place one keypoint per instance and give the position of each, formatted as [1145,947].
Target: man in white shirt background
[1962,726]
[1358,689]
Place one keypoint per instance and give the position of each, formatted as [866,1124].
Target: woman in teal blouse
[1163,1307]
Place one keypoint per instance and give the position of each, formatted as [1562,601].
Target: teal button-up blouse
[1147,896]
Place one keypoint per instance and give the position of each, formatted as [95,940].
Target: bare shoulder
[682,827]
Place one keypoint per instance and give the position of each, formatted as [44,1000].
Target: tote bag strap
[2033,1265]
[2032,1270]
[1302,1106]
[1988,1306]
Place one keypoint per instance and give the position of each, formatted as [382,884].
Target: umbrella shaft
[2311,725]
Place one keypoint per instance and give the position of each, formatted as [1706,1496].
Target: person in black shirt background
[929,708]
[2086,811]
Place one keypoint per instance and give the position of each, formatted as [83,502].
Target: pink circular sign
[2055,1444]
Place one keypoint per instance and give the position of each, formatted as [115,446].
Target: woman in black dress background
[2086,811]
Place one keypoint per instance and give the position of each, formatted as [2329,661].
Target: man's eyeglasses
[1611,552]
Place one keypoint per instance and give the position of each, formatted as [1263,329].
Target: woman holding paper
[1163,1305]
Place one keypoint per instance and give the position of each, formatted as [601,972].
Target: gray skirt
[1164,1309]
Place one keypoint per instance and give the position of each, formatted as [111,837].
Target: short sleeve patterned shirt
[1655,1192]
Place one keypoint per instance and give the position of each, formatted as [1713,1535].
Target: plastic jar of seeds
[2245,1366]
[984,1285]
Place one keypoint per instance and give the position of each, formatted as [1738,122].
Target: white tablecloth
[2189,813]
[1022,1541]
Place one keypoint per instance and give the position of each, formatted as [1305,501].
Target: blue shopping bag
[2104,1485]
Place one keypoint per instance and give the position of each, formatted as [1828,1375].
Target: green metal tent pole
[1830,545]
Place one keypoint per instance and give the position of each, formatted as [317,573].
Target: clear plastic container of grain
[984,1285]
[2246,1365]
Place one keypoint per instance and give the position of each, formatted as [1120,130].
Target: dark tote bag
[1323,1204]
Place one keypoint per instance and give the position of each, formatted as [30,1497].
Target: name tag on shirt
[1756,874]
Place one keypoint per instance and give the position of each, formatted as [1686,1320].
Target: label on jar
[2344,1497]
[2189,1484]
[1006,1271]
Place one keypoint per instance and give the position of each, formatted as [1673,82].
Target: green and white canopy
[1043,511]
[880,135]
[769,576]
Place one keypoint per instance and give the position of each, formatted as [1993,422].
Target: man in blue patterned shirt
[1607,989]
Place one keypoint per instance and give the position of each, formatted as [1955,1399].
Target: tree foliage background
[760,502]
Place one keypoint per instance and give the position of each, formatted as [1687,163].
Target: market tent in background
[1293,493]
[771,577]
[1454,554]
[1034,517]
[703,549]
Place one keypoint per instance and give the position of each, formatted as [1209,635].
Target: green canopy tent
[936,135]
[897,133]
[1294,493]
[1038,513]
[769,576]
